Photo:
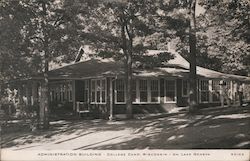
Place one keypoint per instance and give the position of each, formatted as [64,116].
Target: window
[154,91]
[170,94]
[103,91]
[215,90]
[98,91]
[64,98]
[143,90]
[52,93]
[184,88]
[70,92]
[134,93]
[120,91]
[204,90]
[93,91]
[228,88]
[86,91]
[57,93]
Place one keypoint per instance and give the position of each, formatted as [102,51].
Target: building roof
[97,67]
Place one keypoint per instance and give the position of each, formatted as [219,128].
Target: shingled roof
[97,67]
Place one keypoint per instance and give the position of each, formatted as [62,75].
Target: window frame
[214,90]
[208,90]
[124,90]
[70,91]
[182,89]
[175,95]
[95,90]
[86,84]
[150,91]
[139,91]
[137,85]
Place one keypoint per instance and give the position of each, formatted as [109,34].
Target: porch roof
[97,67]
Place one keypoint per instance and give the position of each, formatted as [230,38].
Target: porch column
[28,94]
[162,91]
[110,99]
[235,92]
[210,89]
[74,94]
[34,93]
[20,94]
[231,90]
[20,105]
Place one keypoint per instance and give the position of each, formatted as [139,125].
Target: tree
[46,29]
[187,38]
[192,45]
[119,28]
[226,28]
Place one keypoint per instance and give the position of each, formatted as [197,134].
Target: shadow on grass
[180,131]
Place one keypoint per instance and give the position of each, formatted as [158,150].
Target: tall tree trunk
[128,69]
[192,45]
[44,105]
[129,81]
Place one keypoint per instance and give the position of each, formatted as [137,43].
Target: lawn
[227,128]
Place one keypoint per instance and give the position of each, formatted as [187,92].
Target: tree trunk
[192,45]
[44,101]
[128,69]
[129,82]
[44,105]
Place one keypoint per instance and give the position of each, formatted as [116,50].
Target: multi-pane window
[98,91]
[120,90]
[143,91]
[134,93]
[228,88]
[170,94]
[57,93]
[215,90]
[184,87]
[61,91]
[103,91]
[70,92]
[143,88]
[93,91]
[64,92]
[154,91]
[86,91]
[204,90]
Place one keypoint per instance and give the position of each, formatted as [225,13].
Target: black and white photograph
[90,76]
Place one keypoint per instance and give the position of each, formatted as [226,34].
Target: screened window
[103,91]
[120,90]
[143,88]
[215,90]
[98,91]
[204,90]
[143,91]
[70,92]
[154,91]
[64,94]
[184,87]
[86,91]
[57,93]
[93,97]
[60,91]
[134,93]
[170,94]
